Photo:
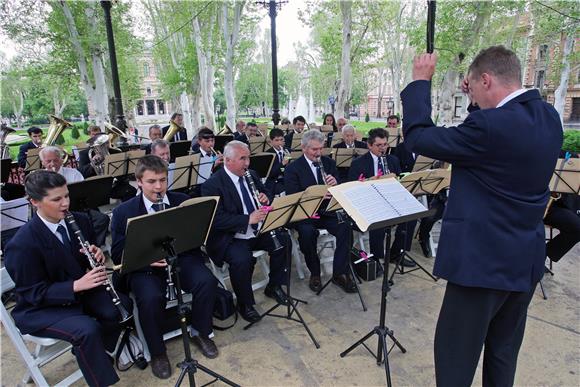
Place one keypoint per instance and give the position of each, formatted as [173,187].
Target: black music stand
[168,233]
[221,141]
[262,163]
[382,330]
[179,148]
[6,168]
[287,214]
[90,193]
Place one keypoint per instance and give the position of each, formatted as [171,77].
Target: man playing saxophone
[149,284]
[58,294]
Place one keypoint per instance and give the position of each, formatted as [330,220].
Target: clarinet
[385,165]
[70,220]
[171,293]
[256,197]
[339,213]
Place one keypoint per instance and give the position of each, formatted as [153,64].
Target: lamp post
[119,116]
[273,7]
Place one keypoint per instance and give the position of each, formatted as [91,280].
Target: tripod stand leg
[385,354]
[395,341]
[421,267]
[362,301]
[360,342]
[217,376]
[543,291]
[306,327]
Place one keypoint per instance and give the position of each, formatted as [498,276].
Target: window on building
[460,77]
[146,69]
[140,108]
[149,92]
[458,107]
[542,52]
[578,76]
[150,107]
[160,106]
[540,76]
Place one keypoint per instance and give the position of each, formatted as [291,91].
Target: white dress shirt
[206,161]
[54,226]
[149,204]
[249,234]
[511,96]
[313,169]
[71,175]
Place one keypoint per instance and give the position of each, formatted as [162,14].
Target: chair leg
[543,291]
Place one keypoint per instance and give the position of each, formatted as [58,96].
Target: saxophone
[171,292]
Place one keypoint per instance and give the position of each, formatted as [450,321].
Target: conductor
[491,249]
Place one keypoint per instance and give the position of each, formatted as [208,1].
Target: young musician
[35,135]
[299,175]
[298,122]
[275,181]
[373,164]
[492,249]
[58,294]
[233,236]
[149,284]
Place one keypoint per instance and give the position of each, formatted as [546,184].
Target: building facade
[152,108]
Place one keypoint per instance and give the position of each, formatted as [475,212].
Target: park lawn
[68,141]
[361,126]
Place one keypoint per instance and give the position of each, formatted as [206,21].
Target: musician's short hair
[252,124]
[33,130]
[150,163]
[276,132]
[500,62]
[232,146]
[205,133]
[393,117]
[154,127]
[49,149]
[38,182]
[348,128]
[377,133]
[159,143]
[94,129]
[298,118]
[312,135]
[285,121]
[174,115]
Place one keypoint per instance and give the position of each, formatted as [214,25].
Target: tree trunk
[231,40]
[560,93]
[17,109]
[205,76]
[345,87]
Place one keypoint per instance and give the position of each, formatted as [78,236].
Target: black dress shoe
[276,292]
[344,282]
[206,346]
[425,247]
[315,284]
[160,366]
[248,313]
[404,261]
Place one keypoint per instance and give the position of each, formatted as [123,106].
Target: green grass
[68,141]
[361,126]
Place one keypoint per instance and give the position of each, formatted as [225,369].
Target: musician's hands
[219,160]
[424,66]
[160,263]
[285,161]
[91,279]
[257,216]
[330,180]
[97,158]
[97,253]
[327,195]
[465,86]
[263,198]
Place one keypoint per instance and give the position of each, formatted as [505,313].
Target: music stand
[90,193]
[123,163]
[262,163]
[185,172]
[221,141]
[394,137]
[179,148]
[364,224]
[32,160]
[6,168]
[344,156]
[424,163]
[166,234]
[566,177]
[296,142]
[257,144]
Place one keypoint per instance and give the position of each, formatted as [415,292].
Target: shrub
[60,140]
[367,118]
[75,132]
[571,140]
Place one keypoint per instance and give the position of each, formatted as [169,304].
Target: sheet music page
[566,177]
[399,197]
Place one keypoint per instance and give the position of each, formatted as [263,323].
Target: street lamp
[273,7]
[119,116]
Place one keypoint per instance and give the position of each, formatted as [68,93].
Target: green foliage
[367,118]
[60,140]
[571,141]
[221,121]
[75,132]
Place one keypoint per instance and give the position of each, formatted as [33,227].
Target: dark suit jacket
[130,209]
[85,167]
[357,144]
[288,140]
[276,177]
[365,165]
[405,157]
[492,234]
[179,136]
[22,153]
[241,137]
[44,271]
[298,176]
[229,218]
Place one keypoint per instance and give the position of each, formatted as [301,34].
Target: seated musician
[209,159]
[341,122]
[372,164]
[240,129]
[251,130]
[162,149]
[299,175]
[275,181]
[85,166]
[58,294]
[35,135]
[154,134]
[233,236]
[149,284]
[349,141]
[181,135]
[298,122]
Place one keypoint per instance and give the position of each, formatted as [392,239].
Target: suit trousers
[91,334]
[308,240]
[239,256]
[403,238]
[471,318]
[150,289]
[438,202]
[568,225]
[377,242]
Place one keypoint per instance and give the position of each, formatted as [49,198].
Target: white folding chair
[46,349]
[326,241]
[222,273]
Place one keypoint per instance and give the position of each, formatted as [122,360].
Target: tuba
[55,129]
[98,150]
[4,148]
[114,134]
[173,129]
[224,131]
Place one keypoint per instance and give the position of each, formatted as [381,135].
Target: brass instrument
[70,220]
[171,291]
[55,129]
[553,197]
[115,133]
[98,150]
[256,197]
[172,131]
[224,131]
[4,148]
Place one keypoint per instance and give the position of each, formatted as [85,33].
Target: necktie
[280,157]
[247,200]
[65,241]
[319,178]
[158,206]
[380,167]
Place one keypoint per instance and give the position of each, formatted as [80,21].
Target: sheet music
[399,197]
[14,213]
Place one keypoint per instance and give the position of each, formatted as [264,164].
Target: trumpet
[256,197]
[171,292]
[70,220]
